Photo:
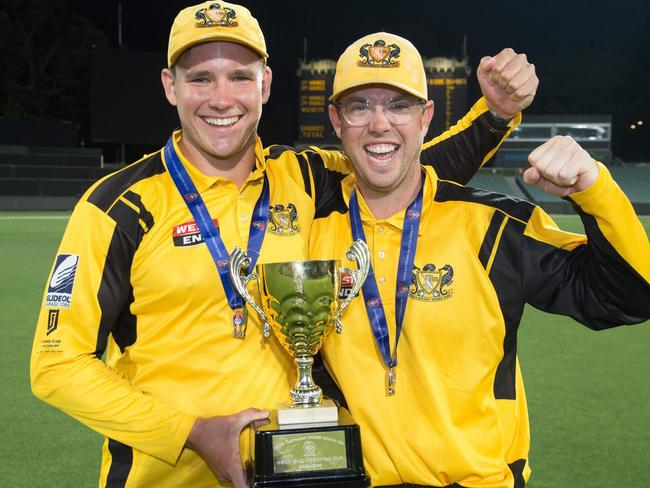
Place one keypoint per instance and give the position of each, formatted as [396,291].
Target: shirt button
[382,280]
[381,254]
[380,229]
[244,218]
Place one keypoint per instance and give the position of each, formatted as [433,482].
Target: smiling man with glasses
[452,268]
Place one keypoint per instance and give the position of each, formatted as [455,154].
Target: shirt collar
[396,220]
[203,181]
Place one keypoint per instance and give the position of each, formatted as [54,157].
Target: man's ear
[335,119]
[427,116]
[267,77]
[169,84]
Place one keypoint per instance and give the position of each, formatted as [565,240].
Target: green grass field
[588,392]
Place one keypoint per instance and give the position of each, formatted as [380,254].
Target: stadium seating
[497,183]
[633,179]
[46,178]
[635,182]
[41,178]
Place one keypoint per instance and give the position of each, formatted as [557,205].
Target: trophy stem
[305,393]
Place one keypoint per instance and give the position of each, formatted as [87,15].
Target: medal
[211,236]
[371,296]
[391,377]
[239,323]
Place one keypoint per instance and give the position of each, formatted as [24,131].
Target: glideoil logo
[59,290]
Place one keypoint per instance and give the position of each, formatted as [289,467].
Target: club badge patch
[430,284]
[188,234]
[283,221]
[216,15]
[59,290]
[379,55]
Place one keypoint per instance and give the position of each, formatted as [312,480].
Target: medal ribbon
[371,296]
[209,231]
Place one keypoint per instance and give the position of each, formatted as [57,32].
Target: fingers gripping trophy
[311,441]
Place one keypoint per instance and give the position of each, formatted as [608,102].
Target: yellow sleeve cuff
[603,184]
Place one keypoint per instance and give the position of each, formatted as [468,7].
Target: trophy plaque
[309,442]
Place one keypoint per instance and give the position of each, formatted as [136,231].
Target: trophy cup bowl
[299,299]
[311,441]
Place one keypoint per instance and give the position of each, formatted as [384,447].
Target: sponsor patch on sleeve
[52,320]
[59,289]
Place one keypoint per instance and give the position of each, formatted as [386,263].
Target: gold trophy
[311,441]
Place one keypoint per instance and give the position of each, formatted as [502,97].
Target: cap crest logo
[216,15]
[379,55]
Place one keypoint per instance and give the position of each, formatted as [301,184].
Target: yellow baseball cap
[214,21]
[381,58]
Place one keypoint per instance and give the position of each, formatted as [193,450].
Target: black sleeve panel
[116,184]
[622,291]
[490,239]
[276,150]
[505,275]
[513,206]
[517,469]
[121,464]
[115,293]
[327,186]
[590,283]
[303,162]
[458,157]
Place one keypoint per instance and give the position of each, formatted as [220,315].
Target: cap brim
[378,81]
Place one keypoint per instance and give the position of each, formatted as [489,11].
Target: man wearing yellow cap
[428,362]
[141,335]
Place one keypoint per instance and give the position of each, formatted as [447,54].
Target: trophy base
[314,455]
[325,412]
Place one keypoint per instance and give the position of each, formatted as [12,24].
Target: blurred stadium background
[76,105]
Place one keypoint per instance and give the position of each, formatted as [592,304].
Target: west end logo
[379,55]
[216,15]
[283,221]
[429,284]
[188,234]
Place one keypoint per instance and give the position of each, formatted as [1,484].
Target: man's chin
[230,147]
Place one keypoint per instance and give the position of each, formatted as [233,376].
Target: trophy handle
[360,253]
[237,262]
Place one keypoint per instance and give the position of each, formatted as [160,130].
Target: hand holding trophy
[311,442]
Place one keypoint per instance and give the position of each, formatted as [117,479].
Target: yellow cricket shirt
[134,282]
[459,413]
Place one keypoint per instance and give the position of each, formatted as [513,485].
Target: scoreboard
[447,87]
[316,79]
[446,84]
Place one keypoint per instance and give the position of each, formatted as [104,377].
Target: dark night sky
[592,57]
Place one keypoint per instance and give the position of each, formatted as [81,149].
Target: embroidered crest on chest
[283,221]
[431,284]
